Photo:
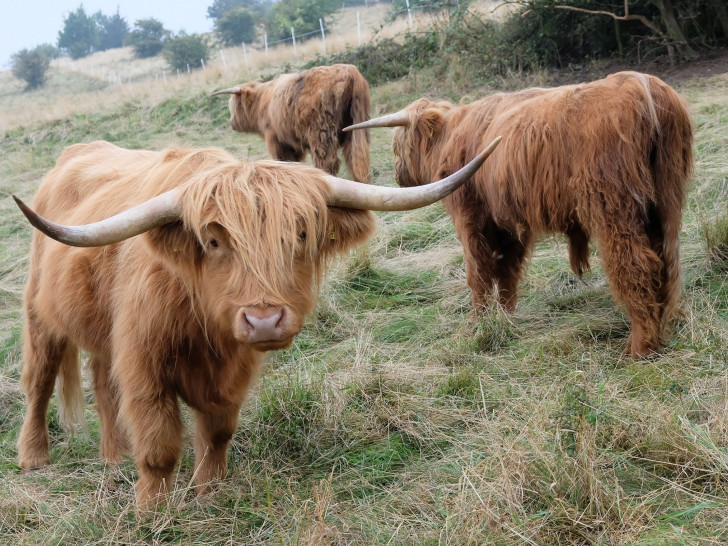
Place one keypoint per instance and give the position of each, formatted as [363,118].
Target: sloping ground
[396,418]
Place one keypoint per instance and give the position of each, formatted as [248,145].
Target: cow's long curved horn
[398,119]
[355,195]
[155,212]
[228,91]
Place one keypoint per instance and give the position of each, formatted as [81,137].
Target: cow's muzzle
[270,325]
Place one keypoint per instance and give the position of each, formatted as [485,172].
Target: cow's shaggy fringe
[305,111]
[610,159]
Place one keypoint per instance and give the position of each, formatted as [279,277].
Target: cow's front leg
[151,414]
[479,259]
[494,259]
[283,152]
[214,431]
[157,433]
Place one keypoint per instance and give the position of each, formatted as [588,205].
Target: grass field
[395,417]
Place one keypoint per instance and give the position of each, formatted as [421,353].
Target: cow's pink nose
[263,323]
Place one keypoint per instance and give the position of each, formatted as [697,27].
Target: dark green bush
[186,50]
[112,30]
[49,50]
[236,26]
[387,59]
[31,65]
[80,34]
[219,8]
[147,38]
[302,15]
[537,35]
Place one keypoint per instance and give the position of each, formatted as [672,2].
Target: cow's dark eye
[213,243]
[302,237]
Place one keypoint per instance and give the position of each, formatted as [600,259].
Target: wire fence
[265,53]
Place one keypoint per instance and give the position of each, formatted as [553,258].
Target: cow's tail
[672,165]
[69,391]
[358,162]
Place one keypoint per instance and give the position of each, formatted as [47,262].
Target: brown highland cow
[206,263]
[609,160]
[295,113]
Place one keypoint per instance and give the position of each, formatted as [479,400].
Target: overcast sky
[25,24]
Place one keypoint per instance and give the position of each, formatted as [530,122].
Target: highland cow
[609,160]
[295,113]
[192,266]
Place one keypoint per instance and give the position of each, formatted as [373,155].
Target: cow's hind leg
[635,273]
[114,442]
[213,435]
[43,354]
[578,248]
[355,148]
[324,146]
[662,231]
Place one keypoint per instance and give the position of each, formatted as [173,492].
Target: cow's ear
[248,93]
[429,125]
[174,244]
[347,228]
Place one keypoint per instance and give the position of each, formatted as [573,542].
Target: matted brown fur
[160,313]
[295,113]
[609,160]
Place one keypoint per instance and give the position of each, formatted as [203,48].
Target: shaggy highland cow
[609,160]
[295,113]
[206,263]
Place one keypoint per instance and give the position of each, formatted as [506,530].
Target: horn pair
[166,208]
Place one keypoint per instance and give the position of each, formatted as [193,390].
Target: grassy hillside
[396,417]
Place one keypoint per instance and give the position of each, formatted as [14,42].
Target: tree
[302,15]
[666,30]
[219,8]
[112,30]
[236,26]
[147,38]
[80,34]
[31,66]
[184,50]
[673,30]
[49,50]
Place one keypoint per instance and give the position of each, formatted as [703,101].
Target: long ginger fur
[609,160]
[160,313]
[306,111]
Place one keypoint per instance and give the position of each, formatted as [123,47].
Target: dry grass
[396,418]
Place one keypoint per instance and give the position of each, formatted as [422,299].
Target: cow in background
[609,160]
[305,111]
[185,266]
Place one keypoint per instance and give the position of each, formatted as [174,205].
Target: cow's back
[560,142]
